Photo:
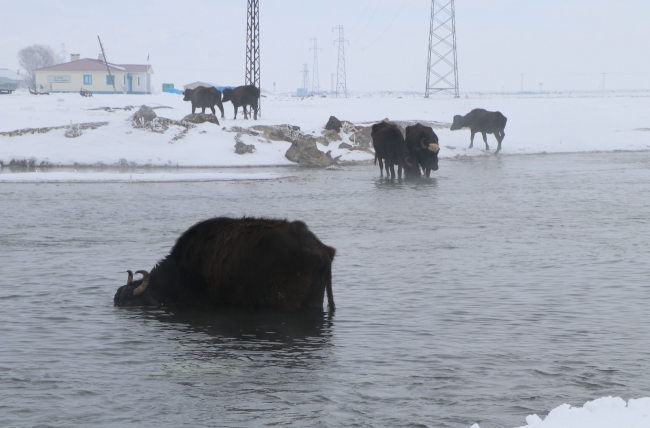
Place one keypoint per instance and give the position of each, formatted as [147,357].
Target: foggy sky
[563,44]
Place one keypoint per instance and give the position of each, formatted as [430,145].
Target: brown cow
[202,97]
[483,121]
[390,148]
[422,144]
[238,262]
[243,96]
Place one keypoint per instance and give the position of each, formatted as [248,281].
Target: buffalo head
[187,93]
[134,293]
[428,155]
[458,123]
[227,95]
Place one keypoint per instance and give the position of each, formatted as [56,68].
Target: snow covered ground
[605,412]
[536,123]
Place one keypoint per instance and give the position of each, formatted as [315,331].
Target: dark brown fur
[418,140]
[202,97]
[243,96]
[483,121]
[390,148]
[247,262]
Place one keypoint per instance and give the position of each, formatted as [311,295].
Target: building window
[138,80]
[110,79]
[88,79]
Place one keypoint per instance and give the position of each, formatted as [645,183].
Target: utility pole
[315,83]
[442,68]
[305,77]
[340,69]
[253,48]
[107,67]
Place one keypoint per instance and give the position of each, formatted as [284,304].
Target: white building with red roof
[93,75]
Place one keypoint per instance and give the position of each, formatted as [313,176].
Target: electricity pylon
[315,84]
[442,68]
[253,48]
[340,69]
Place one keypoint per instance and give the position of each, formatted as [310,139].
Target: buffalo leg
[485,140]
[471,140]
[399,172]
[193,108]
[381,167]
[214,112]
[202,110]
[223,116]
[235,107]
[245,112]
[428,172]
[392,170]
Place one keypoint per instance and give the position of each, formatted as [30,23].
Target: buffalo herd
[273,263]
[242,96]
[419,148]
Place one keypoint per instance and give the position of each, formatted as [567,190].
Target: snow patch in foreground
[116,177]
[605,412]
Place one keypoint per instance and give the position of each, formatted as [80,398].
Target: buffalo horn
[130,278]
[424,146]
[143,286]
[406,161]
[434,148]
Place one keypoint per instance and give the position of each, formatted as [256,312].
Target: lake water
[504,286]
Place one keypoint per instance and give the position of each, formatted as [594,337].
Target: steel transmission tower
[305,77]
[442,68]
[253,48]
[315,84]
[340,70]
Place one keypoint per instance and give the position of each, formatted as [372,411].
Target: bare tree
[36,56]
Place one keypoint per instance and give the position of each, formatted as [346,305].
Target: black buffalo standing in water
[247,262]
[390,148]
[243,96]
[483,121]
[422,144]
[202,97]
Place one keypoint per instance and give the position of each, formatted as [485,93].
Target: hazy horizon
[564,45]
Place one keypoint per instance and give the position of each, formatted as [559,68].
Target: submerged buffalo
[422,144]
[202,97]
[247,262]
[390,148]
[483,121]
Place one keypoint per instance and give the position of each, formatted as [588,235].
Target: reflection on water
[502,286]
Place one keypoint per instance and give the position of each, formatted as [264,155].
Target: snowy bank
[605,412]
[551,124]
[126,177]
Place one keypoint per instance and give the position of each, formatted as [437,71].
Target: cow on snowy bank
[483,121]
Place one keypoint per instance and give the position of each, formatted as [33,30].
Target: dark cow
[390,148]
[202,97]
[422,144]
[247,262]
[483,121]
[243,96]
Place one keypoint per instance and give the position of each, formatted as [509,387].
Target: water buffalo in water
[390,148]
[422,144]
[243,96]
[203,97]
[247,262]
[483,121]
